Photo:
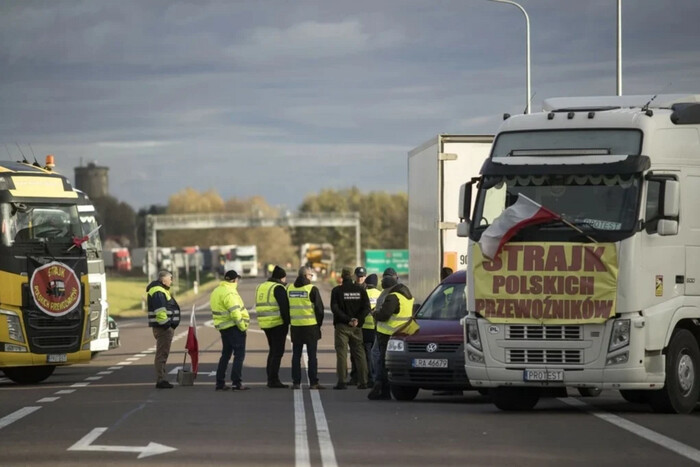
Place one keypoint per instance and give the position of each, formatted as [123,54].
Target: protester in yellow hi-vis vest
[231,319]
[163,318]
[305,318]
[272,310]
[394,309]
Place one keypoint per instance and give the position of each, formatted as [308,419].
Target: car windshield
[24,222]
[445,303]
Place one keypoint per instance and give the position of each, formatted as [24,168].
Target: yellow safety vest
[163,315]
[396,321]
[301,308]
[227,308]
[373,294]
[266,305]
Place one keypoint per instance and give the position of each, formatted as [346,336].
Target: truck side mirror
[672,198]
[667,227]
[465,201]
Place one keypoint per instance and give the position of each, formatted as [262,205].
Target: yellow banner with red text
[547,283]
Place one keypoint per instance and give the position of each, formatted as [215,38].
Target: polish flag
[523,213]
[192,345]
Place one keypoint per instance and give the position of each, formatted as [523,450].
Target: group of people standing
[363,317]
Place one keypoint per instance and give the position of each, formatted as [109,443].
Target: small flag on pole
[192,345]
[79,241]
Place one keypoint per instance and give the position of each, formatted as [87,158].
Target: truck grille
[54,335]
[560,357]
[442,348]
[59,343]
[534,332]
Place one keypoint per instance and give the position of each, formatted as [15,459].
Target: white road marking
[85,444]
[124,363]
[324,435]
[104,372]
[140,355]
[14,416]
[301,443]
[656,438]
[132,359]
[79,385]
[115,368]
[93,378]
[65,391]
[47,399]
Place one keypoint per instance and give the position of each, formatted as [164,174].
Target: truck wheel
[404,393]
[682,385]
[512,399]
[29,374]
[635,396]
[589,392]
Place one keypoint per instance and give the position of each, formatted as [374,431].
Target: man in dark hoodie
[306,319]
[394,309]
[163,318]
[272,309]
[350,305]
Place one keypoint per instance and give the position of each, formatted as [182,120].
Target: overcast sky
[284,98]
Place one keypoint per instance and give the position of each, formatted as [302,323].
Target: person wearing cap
[350,305]
[360,275]
[394,309]
[272,309]
[305,319]
[231,319]
[163,318]
[369,328]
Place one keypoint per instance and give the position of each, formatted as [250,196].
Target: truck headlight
[395,345]
[14,326]
[473,334]
[620,335]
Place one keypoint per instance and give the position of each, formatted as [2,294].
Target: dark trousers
[347,335]
[381,376]
[276,340]
[232,341]
[164,338]
[297,349]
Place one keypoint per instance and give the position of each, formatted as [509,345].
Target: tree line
[383,221]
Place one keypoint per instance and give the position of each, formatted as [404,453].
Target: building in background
[93,180]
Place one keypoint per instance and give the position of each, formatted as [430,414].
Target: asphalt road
[108,412]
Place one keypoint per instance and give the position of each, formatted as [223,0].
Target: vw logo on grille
[432,347]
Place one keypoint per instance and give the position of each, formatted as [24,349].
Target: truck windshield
[619,141]
[25,222]
[593,203]
[445,303]
[89,223]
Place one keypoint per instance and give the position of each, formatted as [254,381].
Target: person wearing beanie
[305,318]
[350,305]
[272,310]
[231,319]
[394,309]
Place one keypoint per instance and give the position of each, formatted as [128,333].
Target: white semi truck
[436,169]
[605,294]
[244,260]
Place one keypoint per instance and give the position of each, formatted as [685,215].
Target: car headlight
[620,335]
[395,345]
[14,326]
[473,337]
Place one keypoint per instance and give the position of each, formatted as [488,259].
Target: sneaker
[316,386]
[222,388]
[164,385]
[340,386]
[296,386]
[239,387]
[277,384]
[377,394]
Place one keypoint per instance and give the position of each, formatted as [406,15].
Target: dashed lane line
[14,416]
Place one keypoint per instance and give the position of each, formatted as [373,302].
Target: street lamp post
[527,53]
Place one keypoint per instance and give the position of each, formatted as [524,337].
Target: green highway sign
[376,261]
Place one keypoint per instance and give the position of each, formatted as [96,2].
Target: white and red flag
[192,345]
[523,213]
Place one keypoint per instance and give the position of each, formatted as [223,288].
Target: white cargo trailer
[436,170]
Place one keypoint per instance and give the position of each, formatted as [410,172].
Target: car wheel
[515,399]
[404,393]
[589,392]
[682,385]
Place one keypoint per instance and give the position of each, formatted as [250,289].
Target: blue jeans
[296,362]
[232,341]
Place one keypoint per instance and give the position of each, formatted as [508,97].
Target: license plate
[57,358]
[543,375]
[429,363]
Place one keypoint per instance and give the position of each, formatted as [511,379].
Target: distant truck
[436,170]
[118,259]
[318,256]
[244,260]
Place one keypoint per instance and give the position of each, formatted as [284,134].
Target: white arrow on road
[85,444]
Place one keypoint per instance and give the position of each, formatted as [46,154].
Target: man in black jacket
[350,305]
[163,318]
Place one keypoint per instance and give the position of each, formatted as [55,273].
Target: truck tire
[589,392]
[515,399]
[682,385]
[404,393]
[635,396]
[29,374]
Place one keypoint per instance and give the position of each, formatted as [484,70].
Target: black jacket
[305,334]
[348,301]
[282,298]
[159,300]
[390,304]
